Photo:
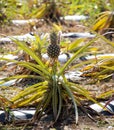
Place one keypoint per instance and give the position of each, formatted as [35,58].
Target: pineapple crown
[53,38]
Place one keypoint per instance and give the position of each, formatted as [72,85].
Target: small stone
[110,128]
[52,129]
[66,128]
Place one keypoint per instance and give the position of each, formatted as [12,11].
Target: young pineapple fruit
[53,49]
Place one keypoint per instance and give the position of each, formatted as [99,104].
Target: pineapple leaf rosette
[52,91]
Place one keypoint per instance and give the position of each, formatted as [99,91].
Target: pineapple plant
[53,49]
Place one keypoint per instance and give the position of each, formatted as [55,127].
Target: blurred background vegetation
[25,9]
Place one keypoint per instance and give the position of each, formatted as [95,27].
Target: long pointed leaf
[29,90]
[29,52]
[75,56]
[73,100]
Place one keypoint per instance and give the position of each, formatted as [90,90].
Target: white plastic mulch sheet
[17,115]
[107,109]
